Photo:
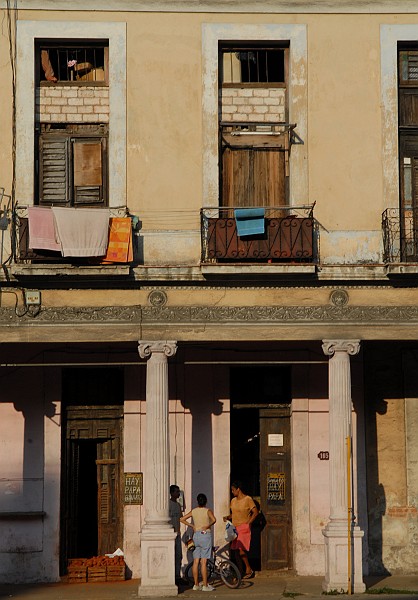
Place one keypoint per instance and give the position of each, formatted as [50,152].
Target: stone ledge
[257,269]
[68,270]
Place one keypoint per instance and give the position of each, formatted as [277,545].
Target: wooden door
[108,496]
[275,488]
[253,177]
[92,515]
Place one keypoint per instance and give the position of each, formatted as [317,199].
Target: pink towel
[42,229]
[82,231]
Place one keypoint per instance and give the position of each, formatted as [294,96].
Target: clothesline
[90,232]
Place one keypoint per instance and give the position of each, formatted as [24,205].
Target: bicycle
[218,568]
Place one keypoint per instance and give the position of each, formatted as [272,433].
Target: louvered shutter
[89,156]
[54,184]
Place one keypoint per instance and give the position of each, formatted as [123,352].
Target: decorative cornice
[222,6]
[213,314]
[277,314]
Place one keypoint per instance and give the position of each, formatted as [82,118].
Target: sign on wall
[133,488]
[275,487]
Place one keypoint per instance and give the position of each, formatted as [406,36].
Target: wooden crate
[115,573]
[77,574]
[96,574]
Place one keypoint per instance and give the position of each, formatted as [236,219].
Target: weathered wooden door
[253,177]
[92,516]
[275,488]
[108,496]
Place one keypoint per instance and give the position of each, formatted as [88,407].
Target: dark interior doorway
[92,463]
[255,393]
[86,532]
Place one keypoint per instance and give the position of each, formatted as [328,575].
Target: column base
[164,591]
[157,564]
[336,560]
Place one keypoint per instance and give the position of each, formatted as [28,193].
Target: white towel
[82,231]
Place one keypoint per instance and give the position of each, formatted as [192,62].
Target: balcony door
[253,175]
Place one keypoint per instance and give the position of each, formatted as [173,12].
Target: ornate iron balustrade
[290,235]
[400,235]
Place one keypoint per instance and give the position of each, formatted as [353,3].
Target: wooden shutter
[253,177]
[54,170]
[89,156]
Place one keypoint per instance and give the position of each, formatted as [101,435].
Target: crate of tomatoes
[96,569]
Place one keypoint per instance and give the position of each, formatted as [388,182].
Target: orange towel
[120,241]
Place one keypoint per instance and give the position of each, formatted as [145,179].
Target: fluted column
[336,531]
[157,535]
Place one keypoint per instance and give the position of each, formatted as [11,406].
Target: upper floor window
[72,165]
[408,67]
[408,148]
[73,62]
[253,64]
[254,134]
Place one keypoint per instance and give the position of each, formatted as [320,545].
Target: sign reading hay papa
[133,488]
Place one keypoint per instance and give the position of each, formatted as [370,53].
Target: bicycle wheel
[188,573]
[229,574]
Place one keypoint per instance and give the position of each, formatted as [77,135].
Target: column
[336,531]
[157,535]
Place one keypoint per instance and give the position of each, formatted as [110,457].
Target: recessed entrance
[260,458]
[91,507]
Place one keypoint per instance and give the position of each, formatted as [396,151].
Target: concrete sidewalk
[262,586]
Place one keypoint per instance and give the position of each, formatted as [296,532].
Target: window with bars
[254,148]
[73,62]
[408,67]
[253,64]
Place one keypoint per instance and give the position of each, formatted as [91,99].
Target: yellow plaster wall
[164,112]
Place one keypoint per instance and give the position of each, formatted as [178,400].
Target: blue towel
[250,221]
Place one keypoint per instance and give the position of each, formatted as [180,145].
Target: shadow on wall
[23,489]
[200,395]
[24,388]
[390,377]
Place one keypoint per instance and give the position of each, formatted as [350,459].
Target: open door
[92,521]
[92,463]
[260,458]
[275,488]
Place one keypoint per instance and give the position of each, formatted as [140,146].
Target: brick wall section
[75,104]
[253,104]
[402,511]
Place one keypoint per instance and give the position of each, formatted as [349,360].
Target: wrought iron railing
[400,235]
[290,235]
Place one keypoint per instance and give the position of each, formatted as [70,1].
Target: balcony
[290,236]
[29,262]
[400,235]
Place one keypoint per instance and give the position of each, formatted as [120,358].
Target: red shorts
[243,540]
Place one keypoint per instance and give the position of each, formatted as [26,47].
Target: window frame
[296,36]
[28,32]
[68,44]
[228,47]
[73,134]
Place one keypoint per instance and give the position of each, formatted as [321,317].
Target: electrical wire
[12,17]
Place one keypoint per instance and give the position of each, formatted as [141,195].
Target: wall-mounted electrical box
[32,297]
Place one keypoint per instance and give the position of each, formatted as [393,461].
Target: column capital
[330,347]
[168,348]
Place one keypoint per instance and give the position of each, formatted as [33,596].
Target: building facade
[209,273]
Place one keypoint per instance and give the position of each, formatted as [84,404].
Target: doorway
[92,463]
[261,460]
